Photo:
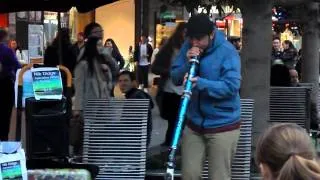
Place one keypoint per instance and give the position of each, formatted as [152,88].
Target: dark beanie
[199,25]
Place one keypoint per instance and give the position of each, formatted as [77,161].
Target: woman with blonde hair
[285,152]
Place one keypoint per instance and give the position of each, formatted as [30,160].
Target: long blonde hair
[289,153]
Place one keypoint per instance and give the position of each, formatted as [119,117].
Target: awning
[51,5]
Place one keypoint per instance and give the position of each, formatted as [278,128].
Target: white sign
[47,83]
[35,41]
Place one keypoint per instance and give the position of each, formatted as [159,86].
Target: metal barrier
[241,162]
[115,137]
[290,105]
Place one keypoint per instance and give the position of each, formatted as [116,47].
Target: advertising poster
[47,83]
[35,41]
[12,161]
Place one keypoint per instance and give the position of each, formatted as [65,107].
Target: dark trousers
[6,105]
[170,108]
[170,131]
[142,75]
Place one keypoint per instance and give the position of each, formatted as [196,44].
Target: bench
[290,105]
[115,138]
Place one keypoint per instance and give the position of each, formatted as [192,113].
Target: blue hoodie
[215,101]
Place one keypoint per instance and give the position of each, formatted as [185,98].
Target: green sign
[11,170]
[47,83]
[167,15]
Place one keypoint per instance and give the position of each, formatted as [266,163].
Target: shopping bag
[12,161]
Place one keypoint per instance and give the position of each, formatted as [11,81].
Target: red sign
[3,20]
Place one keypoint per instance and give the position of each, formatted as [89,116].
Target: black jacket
[276,55]
[136,55]
[118,57]
[135,93]
[69,58]
[289,57]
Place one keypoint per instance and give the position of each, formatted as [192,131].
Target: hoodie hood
[218,39]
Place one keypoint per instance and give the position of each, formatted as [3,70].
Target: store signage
[168,15]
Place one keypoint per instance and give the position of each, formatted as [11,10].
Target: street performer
[213,116]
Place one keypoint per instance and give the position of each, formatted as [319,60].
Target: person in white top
[142,56]
[21,56]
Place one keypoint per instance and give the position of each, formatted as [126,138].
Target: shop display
[164,31]
[35,42]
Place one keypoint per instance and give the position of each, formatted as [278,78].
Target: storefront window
[51,25]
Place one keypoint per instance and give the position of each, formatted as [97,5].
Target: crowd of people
[95,67]
[212,125]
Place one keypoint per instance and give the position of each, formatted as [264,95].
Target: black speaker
[47,128]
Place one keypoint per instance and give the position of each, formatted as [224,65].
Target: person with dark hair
[9,65]
[169,95]
[314,118]
[280,75]
[157,49]
[93,78]
[285,152]
[276,49]
[236,41]
[126,83]
[60,43]
[114,52]
[112,49]
[213,115]
[289,55]
[93,30]
[79,44]
[94,73]
[294,76]
[299,63]
[142,55]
